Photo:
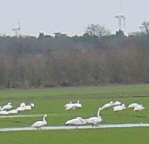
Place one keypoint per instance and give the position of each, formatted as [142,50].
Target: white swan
[32,105]
[107,105]
[77,105]
[41,123]
[20,108]
[7,106]
[69,106]
[117,103]
[13,111]
[76,121]
[29,106]
[132,105]
[95,120]
[22,104]
[119,108]
[139,108]
[4,112]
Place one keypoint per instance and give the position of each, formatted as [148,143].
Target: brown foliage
[31,62]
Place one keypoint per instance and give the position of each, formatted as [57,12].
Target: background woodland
[95,58]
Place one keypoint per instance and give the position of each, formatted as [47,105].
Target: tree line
[61,60]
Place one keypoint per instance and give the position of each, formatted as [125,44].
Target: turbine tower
[17,30]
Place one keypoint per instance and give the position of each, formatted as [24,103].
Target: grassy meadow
[51,101]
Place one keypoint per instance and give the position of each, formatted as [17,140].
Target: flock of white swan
[8,108]
[95,120]
[78,121]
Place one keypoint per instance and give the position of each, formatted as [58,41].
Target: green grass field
[51,101]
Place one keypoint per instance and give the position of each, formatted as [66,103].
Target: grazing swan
[41,123]
[76,121]
[95,120]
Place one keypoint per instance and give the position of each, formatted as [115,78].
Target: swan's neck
[44,118]
[98,112]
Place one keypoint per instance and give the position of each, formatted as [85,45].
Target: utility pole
[121,19]
[17,30]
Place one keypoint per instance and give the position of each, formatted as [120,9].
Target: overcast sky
[70,16]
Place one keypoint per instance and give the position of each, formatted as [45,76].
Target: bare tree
[145,27]
[97,30]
